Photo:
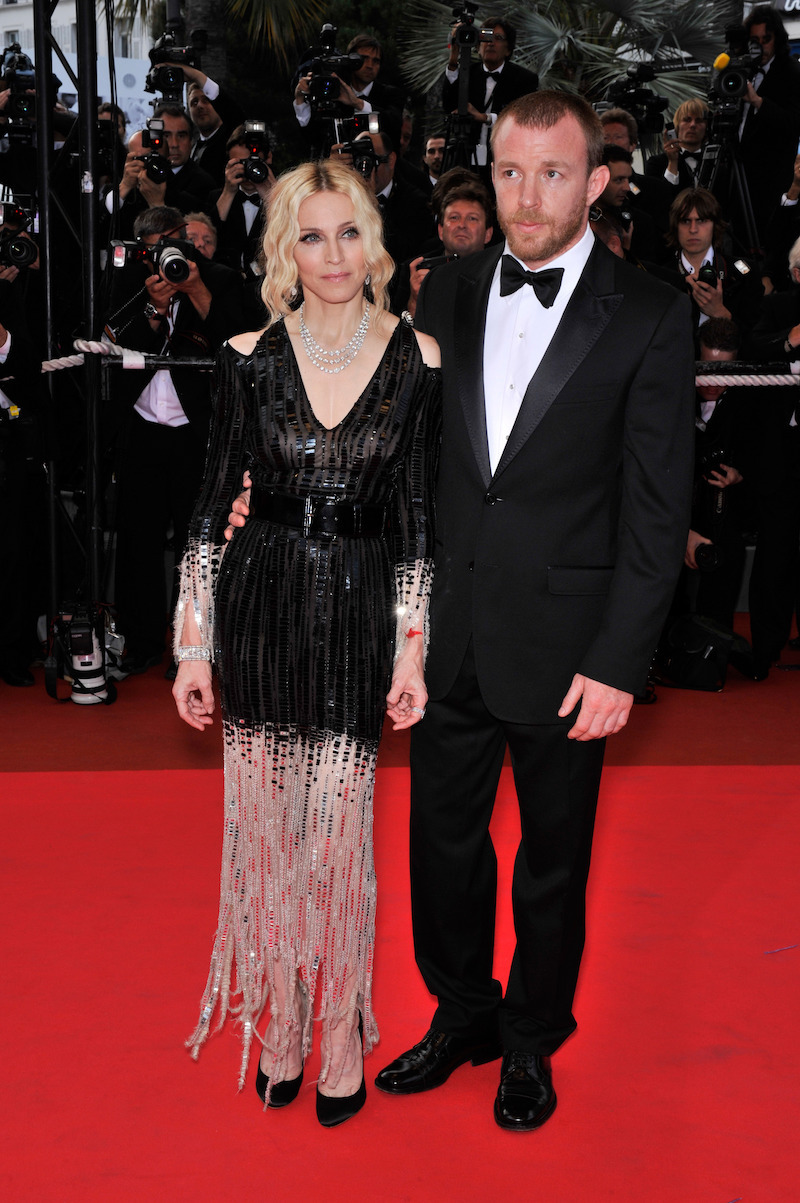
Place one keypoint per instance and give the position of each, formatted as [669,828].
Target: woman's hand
[193,694]
[407,698]
[240,509]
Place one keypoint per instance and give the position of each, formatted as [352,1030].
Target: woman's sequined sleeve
[413,520]
[222,482]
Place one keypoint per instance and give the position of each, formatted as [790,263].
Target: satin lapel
[470,317]
[590,309]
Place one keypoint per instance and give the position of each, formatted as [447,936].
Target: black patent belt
[318,515]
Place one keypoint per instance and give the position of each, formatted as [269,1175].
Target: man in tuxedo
[679,164]
[493,82]
[770,126]
[562,510]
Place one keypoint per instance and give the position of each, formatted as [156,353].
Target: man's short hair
[621,117]
[763,14]
[446,182]
[364,41]
[508,29]
[240,137]
[475,193]
[168,109]
[204,220]
[161,219]
[719,334]
[704,203]
[543,110]
[693,107]
[108,106]
[617,154]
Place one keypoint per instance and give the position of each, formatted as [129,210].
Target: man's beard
[548,241]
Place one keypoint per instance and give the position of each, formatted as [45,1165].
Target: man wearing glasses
[493,82]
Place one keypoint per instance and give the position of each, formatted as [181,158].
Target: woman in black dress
[312,614]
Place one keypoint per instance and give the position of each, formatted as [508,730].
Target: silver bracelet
[192,652]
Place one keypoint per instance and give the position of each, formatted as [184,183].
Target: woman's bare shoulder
[245,344]
[429,349]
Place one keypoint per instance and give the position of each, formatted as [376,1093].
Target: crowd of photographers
[714,213]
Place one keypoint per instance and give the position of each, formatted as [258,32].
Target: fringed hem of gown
[291,901]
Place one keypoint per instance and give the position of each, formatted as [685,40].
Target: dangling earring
[367,280]
[293,293]
[367,290]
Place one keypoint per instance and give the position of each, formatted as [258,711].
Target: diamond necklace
[337,360]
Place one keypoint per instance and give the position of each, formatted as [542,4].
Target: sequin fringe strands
[412,588]
[297,889]
[333,361]
[199,567]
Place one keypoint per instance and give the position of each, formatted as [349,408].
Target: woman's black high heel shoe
[282,1093]
[332,1111]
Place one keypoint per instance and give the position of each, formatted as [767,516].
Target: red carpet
[681,1083]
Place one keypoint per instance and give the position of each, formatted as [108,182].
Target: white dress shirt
[518,332]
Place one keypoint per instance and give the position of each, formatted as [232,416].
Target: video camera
[466,33]
[17,73]
[731,73]
[166,60]
[169,257]
[645,104]
[328,66]
[15,249]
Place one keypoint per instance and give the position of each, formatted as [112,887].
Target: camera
[707,275]
[708,557]
[169,79]
[15,249]
[156,164]
[79,631]
[435,261]
[328,66]
[729,80]
[256,169]
[17,72]
[364,155]
[465,33]
[169,257]
[645,105]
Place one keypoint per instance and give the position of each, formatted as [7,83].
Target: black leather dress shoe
[17,675]
[430,1063]
[525,1098]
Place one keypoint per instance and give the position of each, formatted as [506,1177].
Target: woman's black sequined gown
[302,629]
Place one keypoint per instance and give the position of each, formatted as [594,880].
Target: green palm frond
[278,24]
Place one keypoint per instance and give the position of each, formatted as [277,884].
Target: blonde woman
[315,619]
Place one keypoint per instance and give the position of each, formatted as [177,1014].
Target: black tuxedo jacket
[656,165]
[514,81]
[770,137]
[565,558]
[235,247]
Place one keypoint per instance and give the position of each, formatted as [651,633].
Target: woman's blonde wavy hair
[282,232]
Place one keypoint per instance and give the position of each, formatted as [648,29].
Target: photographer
[715,547]
[362,92]
[642,237]
[214,115]
[163,418]
[464,228]
[679,163]
[240,204]
[770,125]
[493,82]
[150,178]
[407,223]
[718,286]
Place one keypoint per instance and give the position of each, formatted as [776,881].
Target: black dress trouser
[456,757]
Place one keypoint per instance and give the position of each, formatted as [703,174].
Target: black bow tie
[495,75]
[545,283]
[253,197]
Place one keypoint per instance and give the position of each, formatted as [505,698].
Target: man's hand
[723,476]
[301,91]
[752,95]
[672,149]
[9,274]
[159,292]
[708,300]
[604,710]
[347,95]
[692,543]
[234,174]
[132,172]
[416,275]
[192,75]
[195,290]
[153,193]
[241,508]
[193,694]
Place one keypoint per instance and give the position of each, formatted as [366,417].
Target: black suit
[514,81]
[210,153]
[770,136]
[561,561]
